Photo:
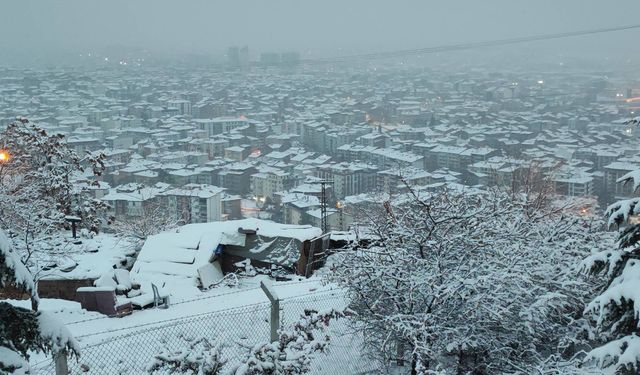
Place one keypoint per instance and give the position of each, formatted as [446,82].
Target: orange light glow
[4,156]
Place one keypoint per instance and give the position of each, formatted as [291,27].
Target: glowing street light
[4,156]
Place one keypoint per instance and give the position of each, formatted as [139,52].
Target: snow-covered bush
[293,351]
[23,330]
[469,281]
[197,356]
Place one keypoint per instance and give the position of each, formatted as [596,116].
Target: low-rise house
[197,255]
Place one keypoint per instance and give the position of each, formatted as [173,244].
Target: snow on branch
[56,334]
[196,356]
[621,355]
[619,212]
[624,289]
[293,351]
[631,176]
[12,270]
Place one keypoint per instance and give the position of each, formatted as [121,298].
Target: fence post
[399,353]
[60,359]
[275,309]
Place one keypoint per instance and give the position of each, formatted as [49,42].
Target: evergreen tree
[23,330]
[616,310]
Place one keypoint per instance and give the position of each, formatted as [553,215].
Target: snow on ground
[128,344]
[214,300]
[91,328]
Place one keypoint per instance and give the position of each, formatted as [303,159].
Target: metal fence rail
[238,330]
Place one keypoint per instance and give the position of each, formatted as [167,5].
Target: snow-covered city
[286,187]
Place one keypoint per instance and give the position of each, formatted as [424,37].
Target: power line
[466,46]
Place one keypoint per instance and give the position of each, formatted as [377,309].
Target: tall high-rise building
[243,57]
[238,57]
[233,57]
[290,58]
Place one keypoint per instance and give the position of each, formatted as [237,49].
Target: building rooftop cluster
[215,145]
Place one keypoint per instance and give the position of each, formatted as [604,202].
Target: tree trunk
[414,364]
[460,367]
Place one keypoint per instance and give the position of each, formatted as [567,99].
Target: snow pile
[88,260]
[106,280]
[123,279]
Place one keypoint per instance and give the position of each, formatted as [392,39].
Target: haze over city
[34,30]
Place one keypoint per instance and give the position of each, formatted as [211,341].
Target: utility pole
[324,222]
[323,206]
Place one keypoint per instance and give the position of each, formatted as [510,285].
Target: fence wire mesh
[345,354]
[132,351]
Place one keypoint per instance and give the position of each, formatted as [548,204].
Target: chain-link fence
[132,351]
[345,353]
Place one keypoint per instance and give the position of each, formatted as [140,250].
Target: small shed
[174,260]
[102,300]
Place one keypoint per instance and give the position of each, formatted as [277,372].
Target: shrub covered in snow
[197,356]
[293,351]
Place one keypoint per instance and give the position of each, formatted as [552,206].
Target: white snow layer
[9,358]
[617,354]
[172,259]
[53,330]
[625,287]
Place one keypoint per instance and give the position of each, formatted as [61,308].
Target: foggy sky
[315,28]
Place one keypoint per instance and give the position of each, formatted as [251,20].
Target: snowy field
[237,317]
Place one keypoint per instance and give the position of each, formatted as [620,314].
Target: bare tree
[467,281]
[154,218]
[37,189]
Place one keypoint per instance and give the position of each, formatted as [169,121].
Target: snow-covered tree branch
[293,351]
[37,189]
[469,280]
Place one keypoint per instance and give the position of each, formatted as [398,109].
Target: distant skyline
[52,29]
